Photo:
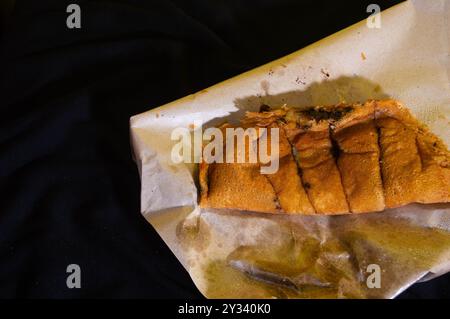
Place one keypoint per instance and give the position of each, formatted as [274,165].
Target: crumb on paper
[324,72]
[157,114]
[283,65]
[270,72]
[363,56]
[191,126]
[298,81]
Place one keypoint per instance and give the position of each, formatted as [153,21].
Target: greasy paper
[237,254]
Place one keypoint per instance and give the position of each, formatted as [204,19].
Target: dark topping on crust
[305,126]
[335,150]
[319,114]
[282,120]
[265,108]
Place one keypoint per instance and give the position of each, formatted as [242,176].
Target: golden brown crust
[320,174]
[203,181]
[414,161]
[336,160]
[286,181]
[236,186]
[358,160]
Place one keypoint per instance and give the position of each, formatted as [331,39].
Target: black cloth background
[69,190]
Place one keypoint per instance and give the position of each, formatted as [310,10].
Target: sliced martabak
[314,155]
[286,181]
[336,160]
[236,186]
[358,162]
[414,162]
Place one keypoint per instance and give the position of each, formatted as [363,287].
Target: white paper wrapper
[251,255]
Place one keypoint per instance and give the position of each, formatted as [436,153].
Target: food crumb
[192,126]
[363,56]
[327,74]
[157,115]
[264,108]
[298,81]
